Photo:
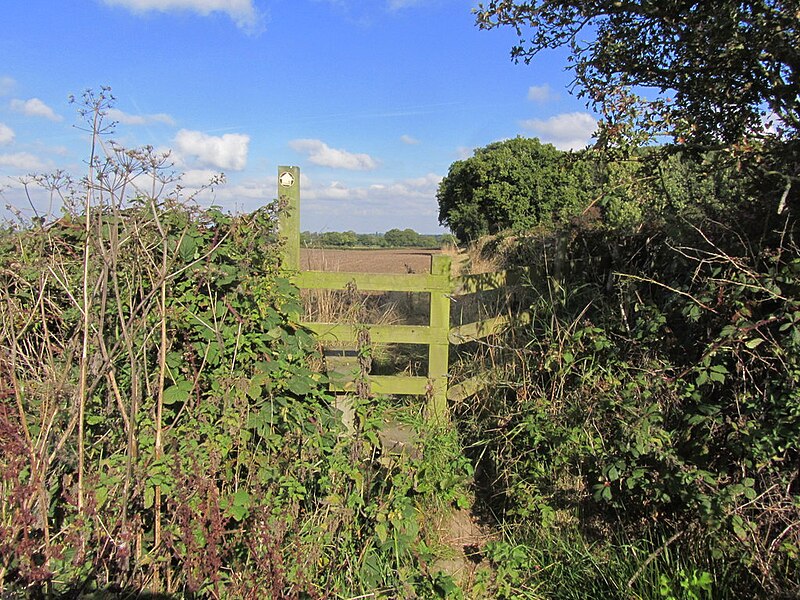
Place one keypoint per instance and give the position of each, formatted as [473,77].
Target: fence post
[439,349]
[289,218]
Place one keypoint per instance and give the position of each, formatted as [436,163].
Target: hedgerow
[656,402]
[162,427]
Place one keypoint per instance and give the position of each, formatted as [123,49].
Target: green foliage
[693,586]
[516,184]
[660,386]
[179,429]
[563,563]
[710,72]
[656,396]
[394,238]
[404,237]
[233,476]
[162,427]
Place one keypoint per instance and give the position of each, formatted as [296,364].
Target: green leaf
[274,333]
[382,531]
[300,386]
[254,390]
[239,505]
[754,343]
[738,527]
[178,392]
[187,248]
[230,275]
[716,376]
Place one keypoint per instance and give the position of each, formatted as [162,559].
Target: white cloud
[419,188]
[407,139]
[321,154]
[394,197]
[6,134]
[399,4]
[336,190]
[34,108]
[567,131]
[243,12]
[464,152]
[376,207]
[338,205]
[228,151]
[541,93]
[7,84]
[197,178]
[22,161]
[127,119]
[59,150]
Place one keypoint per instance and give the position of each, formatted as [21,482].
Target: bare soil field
[397,260]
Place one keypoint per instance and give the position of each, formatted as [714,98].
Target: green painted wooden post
[289,229]
[439,349]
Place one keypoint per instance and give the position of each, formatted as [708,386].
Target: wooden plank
[478,330]
[401,385]
[441,265]
[481,329]
[343,367]
[485,282]
[469,387]
[369,282]
[379,334]
[289,223]
[439,354]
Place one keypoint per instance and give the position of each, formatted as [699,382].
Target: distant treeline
[394,238]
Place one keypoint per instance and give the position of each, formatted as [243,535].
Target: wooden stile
[437,335]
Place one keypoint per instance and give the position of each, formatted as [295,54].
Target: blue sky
[372,99]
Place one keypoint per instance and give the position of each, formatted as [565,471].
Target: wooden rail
[437,334]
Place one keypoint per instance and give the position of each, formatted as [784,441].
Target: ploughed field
[394,260]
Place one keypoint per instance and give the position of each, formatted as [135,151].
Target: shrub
[658,389]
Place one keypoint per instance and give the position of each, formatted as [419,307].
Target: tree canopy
[394,238]
[514,184]
[717,72]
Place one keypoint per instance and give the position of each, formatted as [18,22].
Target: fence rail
[438,335]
